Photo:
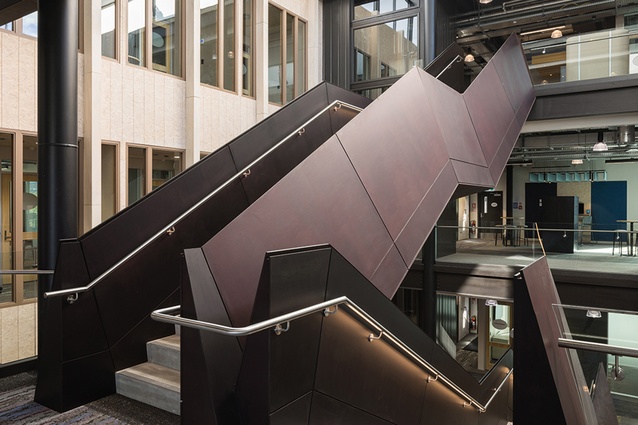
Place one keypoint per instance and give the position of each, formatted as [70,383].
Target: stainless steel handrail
[598,347]
[72,293]
[36,271]
[163,315]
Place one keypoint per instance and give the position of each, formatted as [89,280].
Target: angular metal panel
[442,406]
[395,147]
[390,267]
[513,72]
[295,413]
[328,411]
[454,121]
[474,174]
[321,201]
[490,110]
[501,156]
[86,379]
[348,362]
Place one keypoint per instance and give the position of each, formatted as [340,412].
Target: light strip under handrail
[164,315]
[35,271]
[73,292]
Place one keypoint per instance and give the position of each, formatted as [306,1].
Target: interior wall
[580,189]
[626,172]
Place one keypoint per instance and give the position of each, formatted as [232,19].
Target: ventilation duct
[626,135]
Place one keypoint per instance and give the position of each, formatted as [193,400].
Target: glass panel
[136,174]
[290,58]
[109,185]
[166,37]
[365,8]
[8,26]
[391,49]
[499,331]
[136,32]
[30,24]
[301,57]
[6,155]
[29,217]
[108,28]
[247,60]
[208,42]
[229,45]
[275,66]
[372,93]
[166,165]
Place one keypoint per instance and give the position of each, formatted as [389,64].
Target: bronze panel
[388,276]
[501,156]
[453,119]
[475,175]
[490,110]
[511,67]
[370,376]
[443,406]
[321,201]
[395,146]
[425,216]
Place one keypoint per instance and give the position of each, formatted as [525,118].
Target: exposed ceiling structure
[482,28]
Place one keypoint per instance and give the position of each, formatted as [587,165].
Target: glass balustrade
[584,56]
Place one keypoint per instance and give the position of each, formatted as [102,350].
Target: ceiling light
[469,58]
[577,161]
[491,303]
[594,314]
[600,147]
[556,34]
[485,1]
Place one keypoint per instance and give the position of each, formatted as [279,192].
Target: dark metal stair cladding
[122,302]
[332,356]
[376,189]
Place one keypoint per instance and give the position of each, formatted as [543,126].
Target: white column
[92,157]
[193,99]
[261,58]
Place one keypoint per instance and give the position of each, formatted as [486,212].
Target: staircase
[156,382]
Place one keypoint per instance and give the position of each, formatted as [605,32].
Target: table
[632,235]
[514,232]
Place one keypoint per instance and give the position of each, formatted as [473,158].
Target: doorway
[498,332]
[490,210]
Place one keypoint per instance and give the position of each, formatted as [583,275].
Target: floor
[18,408]
[468,359]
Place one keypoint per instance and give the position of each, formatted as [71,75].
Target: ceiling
[482,29]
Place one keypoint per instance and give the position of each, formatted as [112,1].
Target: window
[392,47]
[365,8]
[166,34]
[109,180]
[30,24]
[219,44]
[149,168]
[287,56]
[108,24]
[8,26]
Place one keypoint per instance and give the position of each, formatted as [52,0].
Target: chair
[619,235]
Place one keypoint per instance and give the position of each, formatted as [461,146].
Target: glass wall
[136,14]
[229,45]
[7,282]
[166,40]
[136,174]
[286,56]
[166,165]
[109,180]
[387,49]
[108,22]
[208,44]
[247,49]
[365,9]
[30,24]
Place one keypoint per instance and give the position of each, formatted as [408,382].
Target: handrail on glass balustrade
[281,324]
[73,293]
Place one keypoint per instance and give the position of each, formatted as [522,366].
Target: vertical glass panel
[136,174]
[208,42]
[275,66]
[247,49]
[109,181]
[229,45]
[30,24]
[290,58]
[499,332]
[136,32]
[372,93]
[300,76]
[166,37]
[166,165]
[8,26]
[365,8]
[108,28]
[391,49]
[6,212]
[29,217]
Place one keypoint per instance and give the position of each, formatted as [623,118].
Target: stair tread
[154,374]
[171,341]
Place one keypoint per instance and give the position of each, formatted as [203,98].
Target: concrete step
[164,351]
[152,384]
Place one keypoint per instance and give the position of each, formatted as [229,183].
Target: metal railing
[73,293]
[281,324]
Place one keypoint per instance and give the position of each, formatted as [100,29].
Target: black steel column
[428,295]
[57,132]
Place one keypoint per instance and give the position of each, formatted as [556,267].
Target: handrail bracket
[279,329]
[72,298]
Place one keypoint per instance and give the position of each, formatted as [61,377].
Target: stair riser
[145,392]
[162,355]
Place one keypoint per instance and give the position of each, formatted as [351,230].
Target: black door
[490,209]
